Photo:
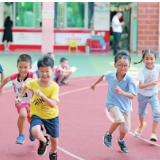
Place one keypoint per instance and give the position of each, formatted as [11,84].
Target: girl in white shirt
[148,91]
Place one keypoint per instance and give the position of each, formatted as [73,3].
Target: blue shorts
[58,75]
[37,73]
[143,104]
[51,125]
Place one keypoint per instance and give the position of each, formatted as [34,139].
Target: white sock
[108,133]
[120,140]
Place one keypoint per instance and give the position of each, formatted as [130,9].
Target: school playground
[83,116]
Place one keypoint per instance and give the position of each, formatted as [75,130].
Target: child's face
[122,66]
[149,60]
[45,73]
[64,63]
[23,68]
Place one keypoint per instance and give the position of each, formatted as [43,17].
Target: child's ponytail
[144,52]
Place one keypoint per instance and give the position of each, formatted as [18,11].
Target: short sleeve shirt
[34,67]
[1,69]
[127,85]
[38,106]
[145,75]
[115,21]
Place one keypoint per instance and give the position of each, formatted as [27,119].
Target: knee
[125,128]
[119,119]
[23,115]
[35,132]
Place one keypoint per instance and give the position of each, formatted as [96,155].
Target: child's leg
[154,127]
[67,77]
[37,133]
[61,76]
[113,127]
[141,119]
[126,126]
[54,144]
[154,102]
[21,119]
[119,119]
[142,111]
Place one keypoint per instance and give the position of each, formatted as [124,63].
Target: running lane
[83,123]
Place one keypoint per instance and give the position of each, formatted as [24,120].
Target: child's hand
[118,90]
[38,93]
[18,100]
[22,83]
[154,83]
[93,86]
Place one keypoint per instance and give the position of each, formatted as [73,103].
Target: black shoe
[53,156]
[107,140]
[123,146]
[43,147]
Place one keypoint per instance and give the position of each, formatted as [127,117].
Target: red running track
[83,123]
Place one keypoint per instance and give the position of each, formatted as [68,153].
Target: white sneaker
[139,130]
[153,137]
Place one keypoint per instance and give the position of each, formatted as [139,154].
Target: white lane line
[108,115]
[146,140]
[72,155]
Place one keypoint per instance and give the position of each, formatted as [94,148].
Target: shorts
[27,106]
[51,125]
[58,75]
[143,104]
[37,73]
[121,117]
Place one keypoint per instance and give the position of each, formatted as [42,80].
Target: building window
[70,15]
[24,14]
[38,14]
[75,14]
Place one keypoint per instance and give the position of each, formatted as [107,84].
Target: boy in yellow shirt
[44,110]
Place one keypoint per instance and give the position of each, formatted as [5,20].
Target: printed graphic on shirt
[41,103]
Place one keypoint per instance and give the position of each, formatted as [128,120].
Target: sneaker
[31,137]
[53,156]
[43,147]
[123,146]
[139,130]
[20,139]
[107,140]
[153,137]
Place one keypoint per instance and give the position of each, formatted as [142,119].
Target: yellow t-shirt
[38,105]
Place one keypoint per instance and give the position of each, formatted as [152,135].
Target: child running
[2,73]
[62,72]
[121,89]
[44,110]
[148,91]
[19,80]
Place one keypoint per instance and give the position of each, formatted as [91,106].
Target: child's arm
[98,81]
[35,76]
[2,76]
[24,90]
[50,102]
[118,90]
[65,71]
[142,86]
[4,82]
